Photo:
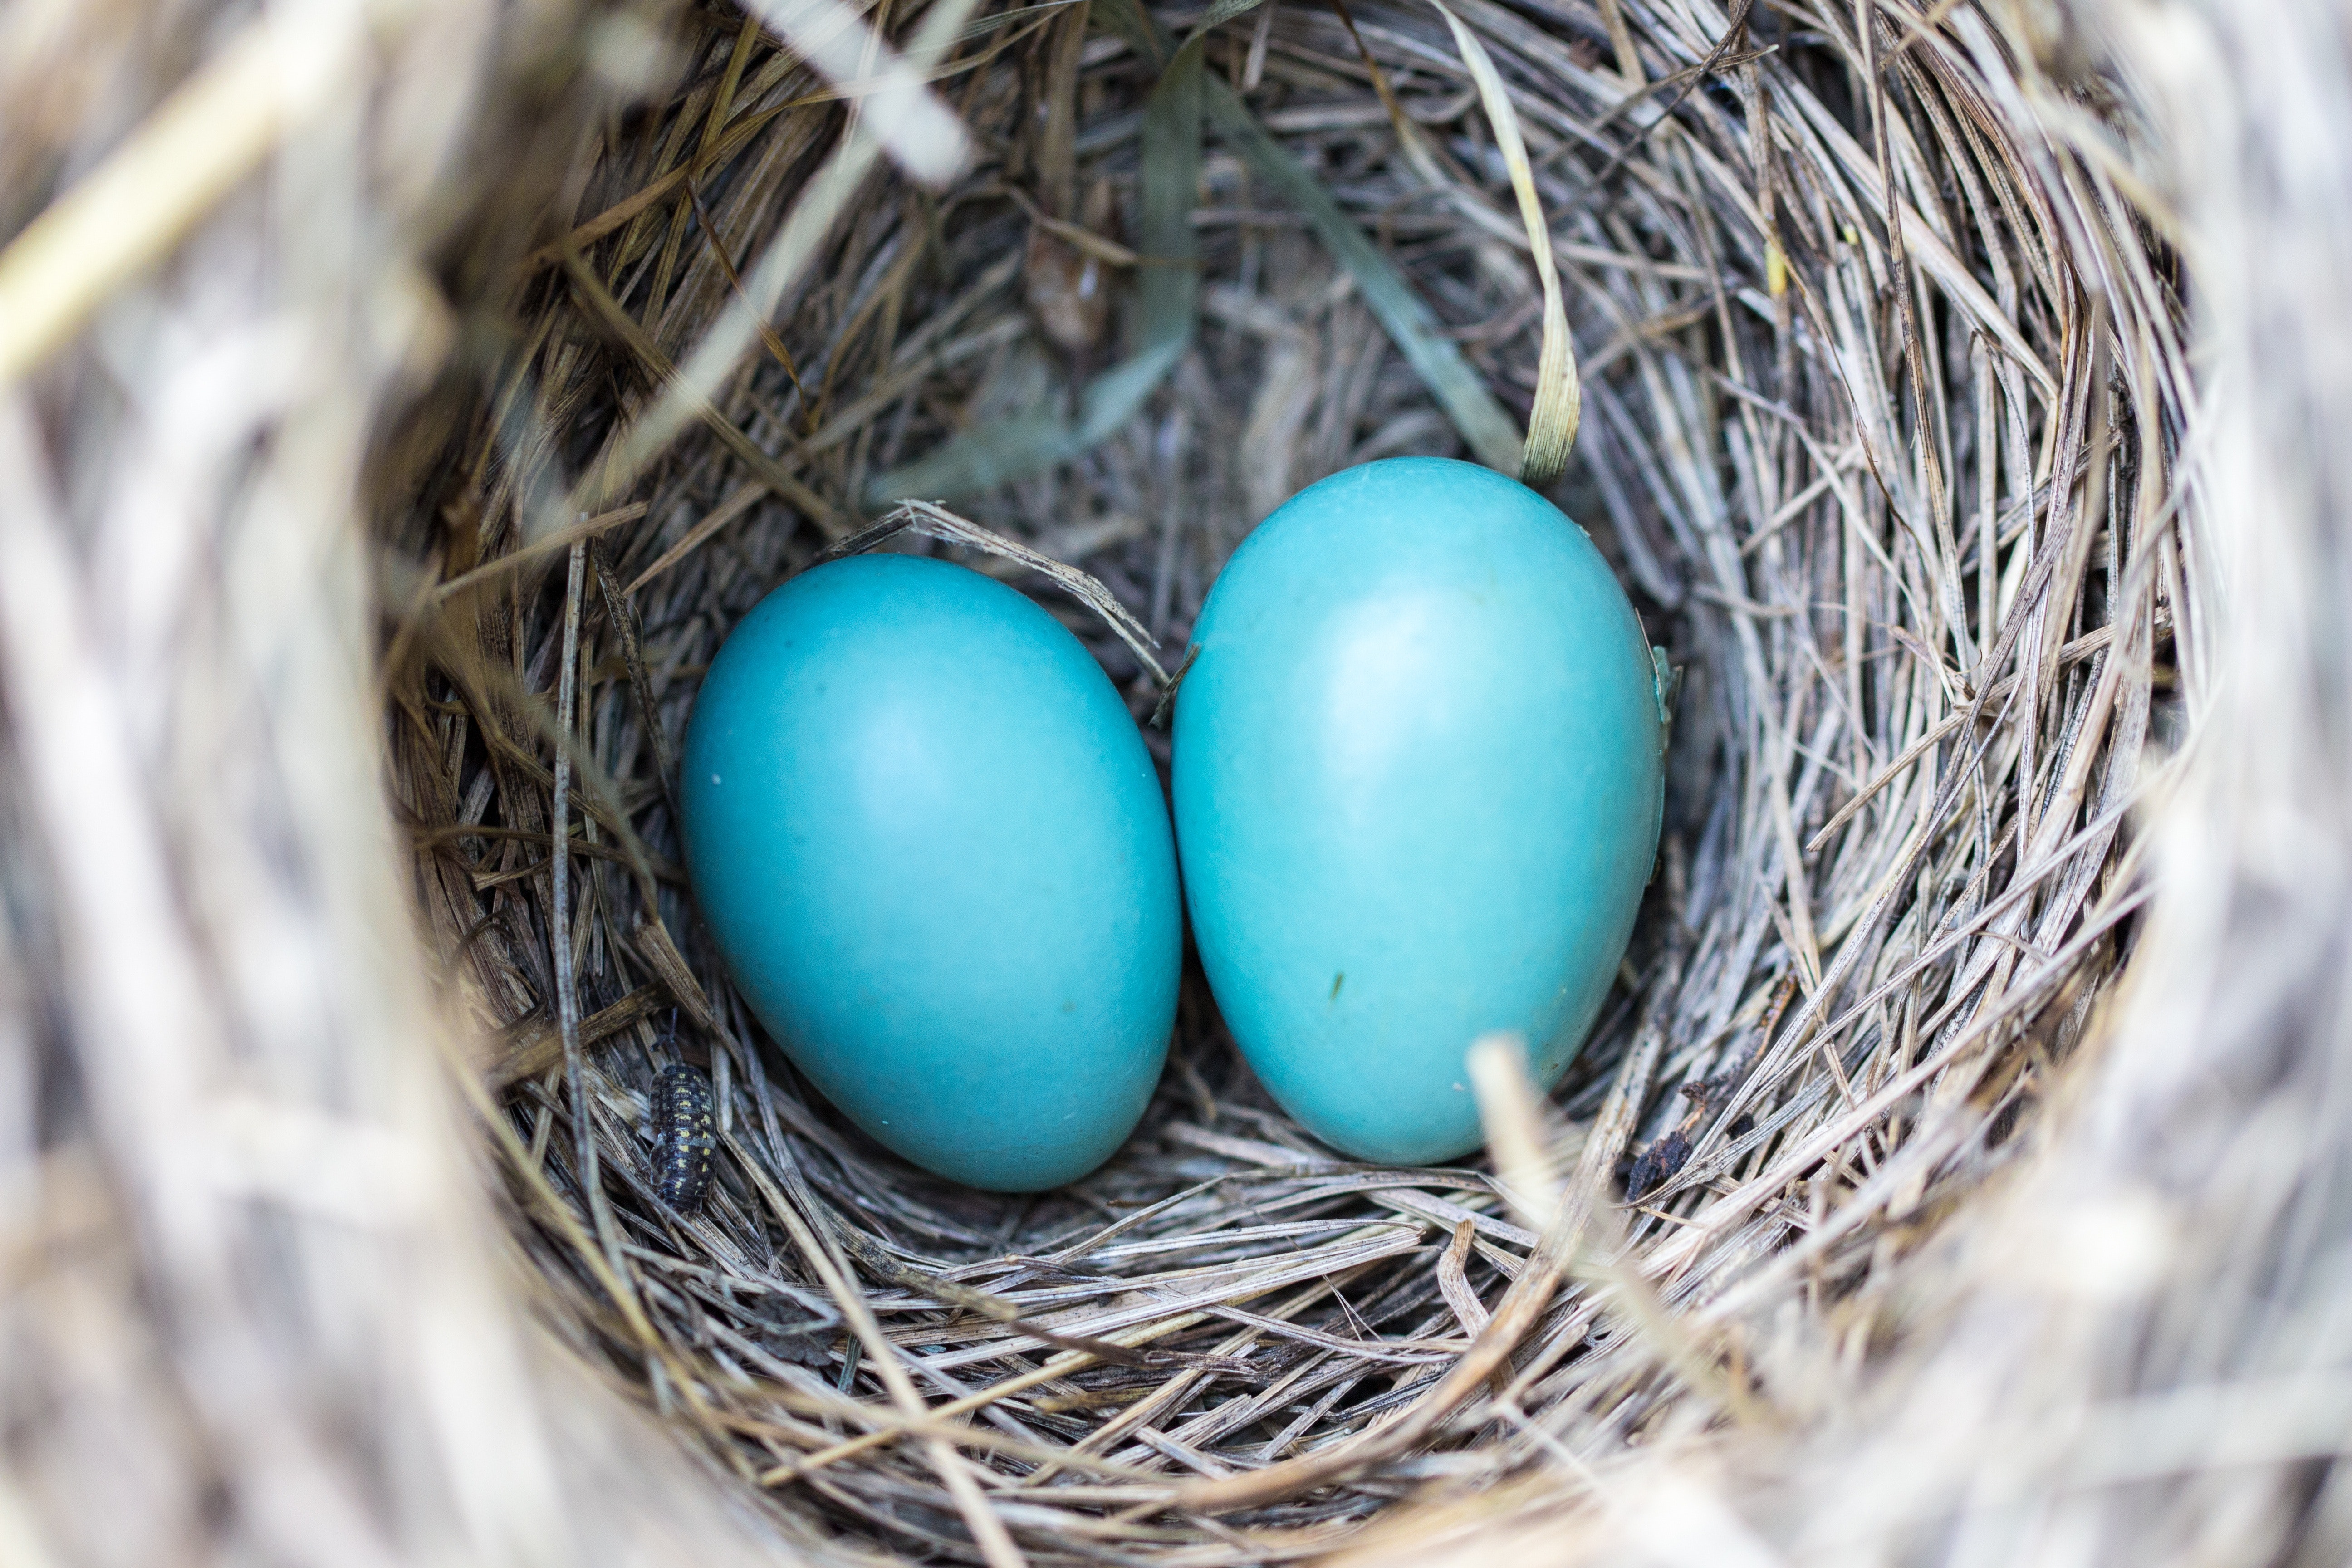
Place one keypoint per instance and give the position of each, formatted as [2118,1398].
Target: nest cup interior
[1880,469]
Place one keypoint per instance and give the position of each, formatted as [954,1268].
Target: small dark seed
[1658,1165]
[684,1137]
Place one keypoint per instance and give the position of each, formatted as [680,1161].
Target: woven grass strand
[199,145]
[1551,423]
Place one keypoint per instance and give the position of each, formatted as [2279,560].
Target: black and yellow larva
[683,1136]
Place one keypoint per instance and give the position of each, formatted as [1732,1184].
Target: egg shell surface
[1417,791]
[932,850]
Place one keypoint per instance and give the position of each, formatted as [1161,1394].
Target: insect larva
[683,1137]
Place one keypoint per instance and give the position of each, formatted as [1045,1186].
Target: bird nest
[1874,427]
[1880,391]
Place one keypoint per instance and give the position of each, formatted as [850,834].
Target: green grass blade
[1167,308]
[1492,434]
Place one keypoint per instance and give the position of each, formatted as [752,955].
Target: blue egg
[1418,789]
[934,853]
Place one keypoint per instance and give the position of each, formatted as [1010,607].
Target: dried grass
[1885,403]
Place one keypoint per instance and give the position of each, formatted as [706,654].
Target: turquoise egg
[934,853]
[1418,788]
